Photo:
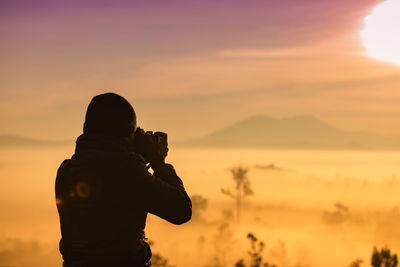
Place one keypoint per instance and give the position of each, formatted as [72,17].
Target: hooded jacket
[103,195]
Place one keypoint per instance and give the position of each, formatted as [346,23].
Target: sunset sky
[190,67]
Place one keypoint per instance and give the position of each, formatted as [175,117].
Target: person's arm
[59,184]
[163,193]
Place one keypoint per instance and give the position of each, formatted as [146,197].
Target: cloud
[285,53]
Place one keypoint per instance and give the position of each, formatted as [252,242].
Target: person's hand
[152,146]
[149,147]
[144,144]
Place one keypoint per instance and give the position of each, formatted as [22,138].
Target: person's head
[110,114]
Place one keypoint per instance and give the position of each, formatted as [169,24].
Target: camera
[152,146]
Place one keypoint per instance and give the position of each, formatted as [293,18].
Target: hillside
[294,132]
[304,132]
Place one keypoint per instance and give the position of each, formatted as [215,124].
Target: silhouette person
[104,192]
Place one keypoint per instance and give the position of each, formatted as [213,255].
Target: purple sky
[200,58]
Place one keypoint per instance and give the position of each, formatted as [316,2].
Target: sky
[191,67]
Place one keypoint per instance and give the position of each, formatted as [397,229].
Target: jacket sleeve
[163,193]
[60,183]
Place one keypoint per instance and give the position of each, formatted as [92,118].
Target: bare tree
[242,188]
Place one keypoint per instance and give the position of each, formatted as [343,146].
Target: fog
[309,207]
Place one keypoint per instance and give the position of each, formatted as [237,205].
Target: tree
[340,215]
[159,261]
[383,258]
[256,250]
[242,188]
[255,253]
[356,263]
[224,243]
[199,206]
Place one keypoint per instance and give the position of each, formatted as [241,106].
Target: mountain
[18,141]
[260,131]
[294,132]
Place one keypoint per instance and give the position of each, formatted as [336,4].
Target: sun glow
[381,34]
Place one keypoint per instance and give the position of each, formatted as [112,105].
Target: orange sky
[191,67]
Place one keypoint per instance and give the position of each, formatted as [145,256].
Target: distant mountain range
[296,132]
[260,131]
